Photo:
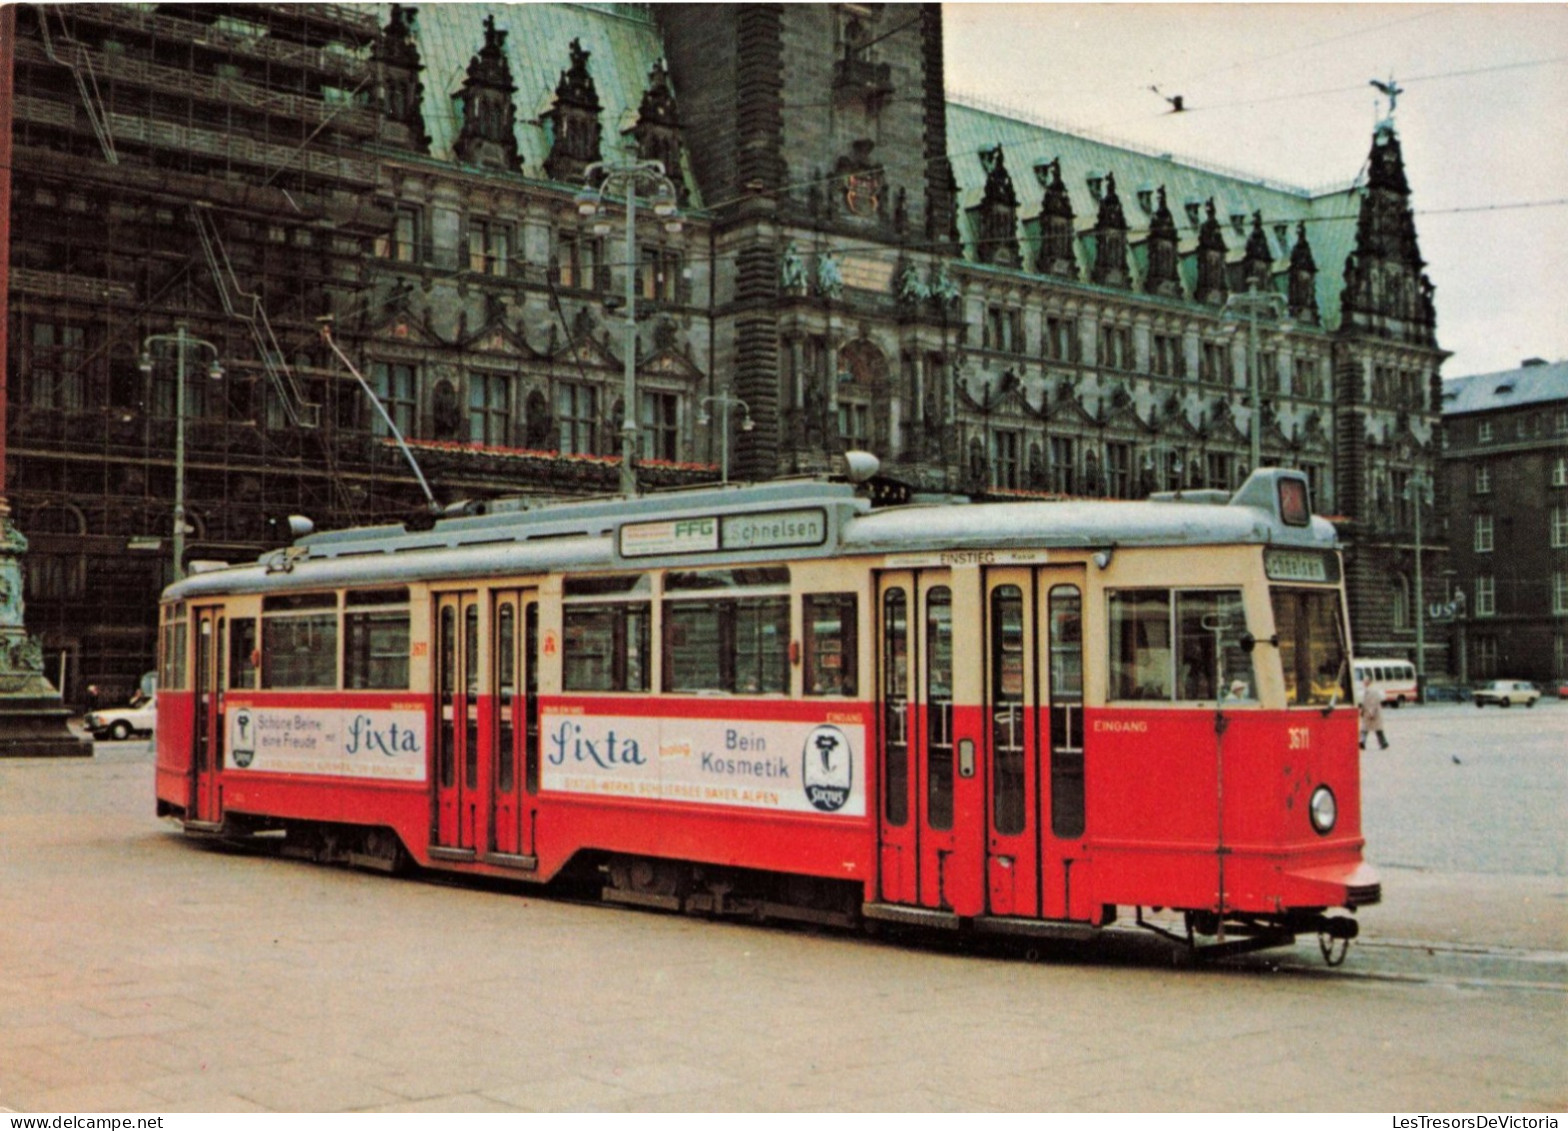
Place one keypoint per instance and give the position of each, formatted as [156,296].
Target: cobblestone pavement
[142,972]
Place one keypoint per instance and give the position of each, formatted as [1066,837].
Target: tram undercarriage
[716,891]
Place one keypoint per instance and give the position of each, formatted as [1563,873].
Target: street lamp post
[632,176]
[726,403]
[1418,489]
[182,341]
[1249,305]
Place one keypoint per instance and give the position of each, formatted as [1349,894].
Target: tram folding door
[921,843]
[457,790]
[512,726]
[207,718]
[1033,742]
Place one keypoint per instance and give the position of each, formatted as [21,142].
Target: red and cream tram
[777,700]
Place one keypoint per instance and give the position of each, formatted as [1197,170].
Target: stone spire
[1258,261]
[488,137]
[574,121]
[1161,276]
[658,128]
[1110,239]
[1303,287]
[996,216]
[1386,293]
[401,93]
[1212,285]
[1056,228]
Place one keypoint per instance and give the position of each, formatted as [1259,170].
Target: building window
[1485,657]
[1560,591]
[1061,339]
[660,275]
[1220,467]
[1560,422]
[489,247]
[395,387]
[577,412]
[578,258]
[660,432]
[489,409]
[1064,455]
[854,424]
[1306,380]
[1483,479]
[1559,528]
[1268,372]
[1118,470]
[1483,432]
[56,367]
[1115,347]
[1483,534]
[1005,460]
[1560,471]
[1214,364]
[1165,356]
[401,244]
[1004,329]
[1486,596]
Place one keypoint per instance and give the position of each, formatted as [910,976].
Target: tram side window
[832,655]
[172,666]
[375,639]
[299,641]
[243,653]
[1311,645]
[722,634]
[607,641]
[1183,645]
[605,648]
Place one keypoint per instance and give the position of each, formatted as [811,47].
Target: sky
[1283,92]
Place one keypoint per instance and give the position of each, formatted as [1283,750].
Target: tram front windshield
[1311,645]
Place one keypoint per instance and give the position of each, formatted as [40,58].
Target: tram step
[914,916]
[457,855]
[642,899]
[1035,928]
[203,828]
[508,860]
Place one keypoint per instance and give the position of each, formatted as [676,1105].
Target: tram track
[1435,963]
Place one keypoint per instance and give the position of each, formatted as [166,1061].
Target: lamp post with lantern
[631,177]
[726,403]
[1249,305]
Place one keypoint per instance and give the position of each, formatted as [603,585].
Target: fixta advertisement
[795,767]
[385,744]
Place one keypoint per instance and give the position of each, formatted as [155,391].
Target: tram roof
[741,524]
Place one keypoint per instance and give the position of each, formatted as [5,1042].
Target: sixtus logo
[827,768]
[243,749]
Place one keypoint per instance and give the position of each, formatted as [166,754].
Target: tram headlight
[1323,809]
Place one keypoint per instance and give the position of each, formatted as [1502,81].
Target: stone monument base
[37,726]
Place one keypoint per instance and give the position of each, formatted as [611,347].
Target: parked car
[1507,692]
[140,716]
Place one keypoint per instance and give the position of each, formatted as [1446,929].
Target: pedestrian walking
[92,698]
[1372,717]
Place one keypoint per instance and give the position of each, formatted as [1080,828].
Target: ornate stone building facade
[990,305]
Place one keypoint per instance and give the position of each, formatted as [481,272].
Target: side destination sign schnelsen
[386,744]
[707,534]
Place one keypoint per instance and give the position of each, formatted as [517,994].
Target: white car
[119,723]
[1507,692]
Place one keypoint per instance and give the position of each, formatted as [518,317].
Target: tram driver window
[1311,646]
[606,642]
[831,652]
[1183,645]
[243,653]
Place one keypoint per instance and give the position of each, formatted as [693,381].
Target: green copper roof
[621,39]
[1330,218]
